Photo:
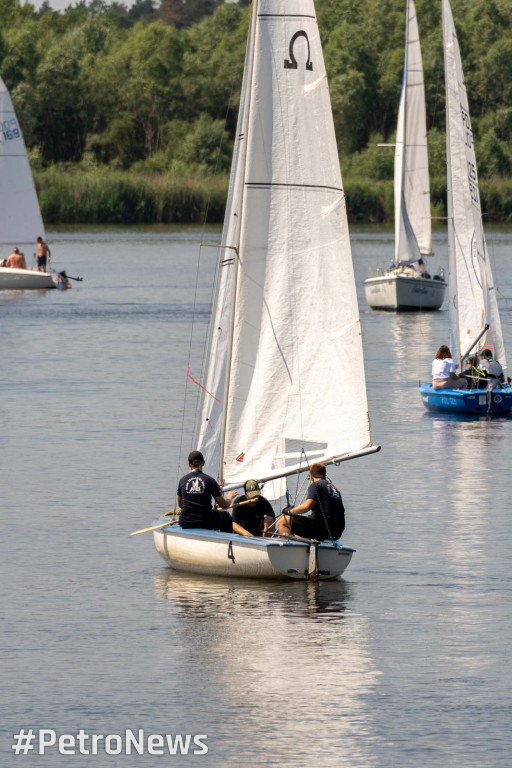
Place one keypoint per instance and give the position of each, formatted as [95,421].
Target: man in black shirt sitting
[195,493]
[328,520]
[256,516]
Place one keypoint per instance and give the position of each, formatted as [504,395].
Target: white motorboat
[20,216]
[404,286]
[22,279]
[275,395]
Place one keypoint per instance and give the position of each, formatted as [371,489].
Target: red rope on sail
[200,385]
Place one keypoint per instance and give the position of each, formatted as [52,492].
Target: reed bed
[106,196]
[121,197]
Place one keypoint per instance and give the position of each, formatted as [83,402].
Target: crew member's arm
[306,506]
[178,499]
[222,502]
[238,529]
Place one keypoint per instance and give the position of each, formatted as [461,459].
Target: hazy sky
[60,5]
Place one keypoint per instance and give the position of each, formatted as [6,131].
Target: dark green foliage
[155,88]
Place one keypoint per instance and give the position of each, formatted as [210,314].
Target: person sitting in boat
[16,260]
[491,368]
[324,500]
[256,516]
[195,493]
[43,255]
[473,375]
[418,265]
[444,371]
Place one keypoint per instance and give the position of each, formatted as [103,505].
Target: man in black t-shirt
[195,493]
[328,520]
[256,516]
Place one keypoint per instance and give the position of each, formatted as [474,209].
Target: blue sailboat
[473,308]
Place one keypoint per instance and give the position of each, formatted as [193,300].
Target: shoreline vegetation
[129,114]
[108,196]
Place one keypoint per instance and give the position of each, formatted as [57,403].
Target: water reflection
[296,650]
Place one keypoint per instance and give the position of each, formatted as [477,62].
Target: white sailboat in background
[20,217]
[473,307]
[285,320]
[405,286]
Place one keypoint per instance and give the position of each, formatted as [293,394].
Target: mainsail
[473,303]
[284,375]
[20,218]
[413,230]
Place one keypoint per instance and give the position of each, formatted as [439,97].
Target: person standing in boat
[491,368]
[43,255]
[195,493]
[16,260]
[324,500]
[444,371]
[258,515]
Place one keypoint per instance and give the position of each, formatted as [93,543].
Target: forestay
[284,366]
[473,302]
[413,229]
[20,217]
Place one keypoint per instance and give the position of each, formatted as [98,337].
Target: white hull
[23,279]
[214,553]
[407,292]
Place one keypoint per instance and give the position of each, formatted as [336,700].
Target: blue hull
[466,401]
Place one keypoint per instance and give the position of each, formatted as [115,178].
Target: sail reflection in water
[465,479]
[470,508]
[292,657]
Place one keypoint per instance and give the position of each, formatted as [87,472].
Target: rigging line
[205,219]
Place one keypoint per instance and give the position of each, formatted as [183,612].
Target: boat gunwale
[260,541]
[428,389]
[406,278]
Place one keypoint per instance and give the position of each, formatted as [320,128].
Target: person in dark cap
[258,515]
[195,493]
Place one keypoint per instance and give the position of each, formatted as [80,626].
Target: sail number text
[473,182]
[466,122]
[9,129]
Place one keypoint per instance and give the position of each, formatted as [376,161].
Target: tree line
[155,88]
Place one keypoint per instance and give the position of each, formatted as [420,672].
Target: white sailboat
[285,322]
[473,308]
[404,286]
[20,218]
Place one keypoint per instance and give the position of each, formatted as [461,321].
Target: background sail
[296,376]
[21,221]
[413,229]
[473,295]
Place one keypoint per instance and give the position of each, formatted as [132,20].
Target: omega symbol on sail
[291,63]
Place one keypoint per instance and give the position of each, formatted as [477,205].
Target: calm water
[403,663]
